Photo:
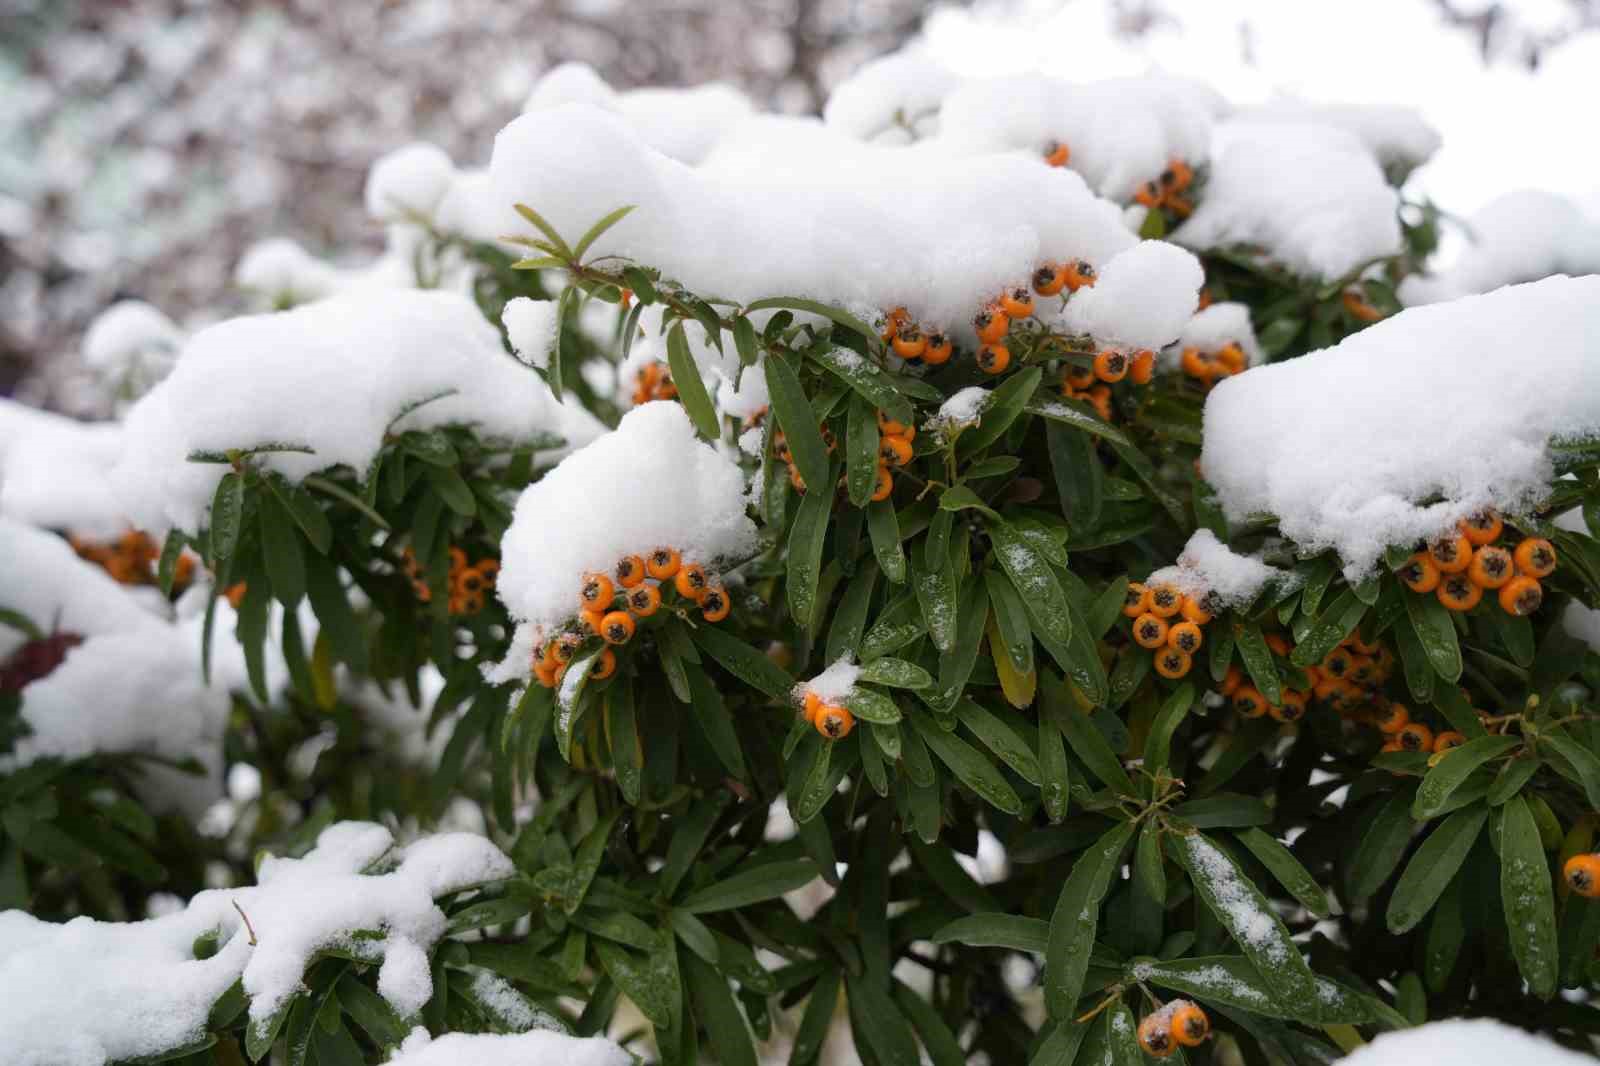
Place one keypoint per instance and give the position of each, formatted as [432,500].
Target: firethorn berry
[1182,174]
[596,591]
[796,480]
[1197,364]
[589,622]
[1155,1038]
[1276,644]
[714,605]
[1049,279]
[938,351]
[1291,709]
[458,558]
[1142,368]
[423,590]
[663,563]
[1056,153]
[812,707]
[457,604]
[490,569]
[1080,274]
[604,666]
[1521,596]
[1017,302]
[1173,663]
[470,582]
[1165,601]
[1458,593]
[1535,557]
[1194,610]
[896,451]
[1185,637]
[993,358]
[1491,567]
[1363,671]
[1231,680]
[545,675]
[909,343]
[1448,739]
[883,486]
[1136,600]
[1111,365]
[691,581]
[1481,528]
[780,446]
[1365,647]
[617,627]
[1358,307]
[630,571]
[1232,358]
[1419,573]
[564,647]
[1451,555]
[643,600]
[1345,695]
[1248,701]
[1582,875]
[835,722]
[1100,397]
[828,440]
[1149,631]
[1394,719]
[1190,1026]
[1414,736]
[991,324]
[1079,376]
[1148,194]
[889,427]
[1390,745]
[892,323]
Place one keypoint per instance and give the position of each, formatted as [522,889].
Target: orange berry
[1458,593]
[1448,739]
[1365,647]
[1111,365]
[423,590]
[691,581]
[458,559]
[1173,663]
[813,707]
[1185,637]
[1420,574]
[1231,358]
[1197,364]
[1194,610]
[1149,631]
[894,451]
[1336,664]
[545,674]
[1414,736]
[938,351]
[630,571]
[1190,1026]
[1582,874]
[1143,367]
[1451,555]
[1535,557]
[1155,1038]
[889,427]
[834,722]
[1491,567]
[1079,376]
[1390,745]
[1358,307]
[796,480]
[909,343]
[1080,274]
[1049,279]
[1136,600]
[589,622]
[643,600]
[1276,644]
[1363,671]
[596,591]
[604,666]
[1100,397]
[470,582]
[1231,680]
[1148,194]
[235,594]
[490,569]
[993,358]
[1017,302]
[1248,701]
[1165,601]
[564,647]
[1056,153]
[1521,596]
[1394,719]
[663,563]
[892,323]
[617,627]
[991,324]
[1481,528]
[1292,709]
[714,605]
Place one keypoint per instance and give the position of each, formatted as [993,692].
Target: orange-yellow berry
[1136,600]
[1482,528]
[1419,573]
[1458,593]
[1582,874]
[617,627]
[1451,555]
[714,605]
[663,563]
[691,581]
[1150,631]
[1185,637]
[630,571]
[994,358]
[1521,596]
[643,600]
[1535,557]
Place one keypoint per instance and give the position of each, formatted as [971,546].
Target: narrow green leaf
[1436,631]
[1158,743]
[1035,583]
[227,516]
[1433,867]
[1258,661]
[1281,863]
[598,229]
[1084,737]
[1076,919]
[972,769]
[751,884]
[691,389]
[1528,895]
[861,451]
[1458,763]
[997,931]
[806,539]
[799,424]
[884,528]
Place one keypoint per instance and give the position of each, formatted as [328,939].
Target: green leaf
[870,706]
[1447,775]
[651,981]
[1258,661]
[1224,810]
[878,1025]
[1055,791]
[1011,618]
[1086,740]
[806,539]
[828,311]
[997,931]
[1338,621]
[821,1003]
[1584,763]
[937,1040]
[1158,743]
[868,381]
[744,662]
[545,228]
[1527,893]
[599,228]
[861,451]
[281,550]
[1433,866]
[691,389]
[712,716]
[227,516]
[896,673]
[1006,402]
[884,528]
[1382,846]
[1078,475]
[971,768]
[1002,739]
[744,339]
[1077,416]
[1035,582]
[752,884]
[1235,982]
[1282,865]
[935,588]
[716,1010]
[1434,628]
[962,498]
[1076,919]
[799,424]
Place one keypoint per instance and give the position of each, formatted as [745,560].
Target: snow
[1311,197]
[55,471]
[749,398]
[43,579]
[334,376]
[1141,299]
[282,273]
[1208,566]
[1244,918]
[836,683]
[650,483]
[1396,136]
[1463,1042]
[131,336]
[857,229]
[1582,622]
[1346,446]
[1217,326]
[963,408]
[533,326]
[85,993]
[513,1049]
[892,98]
[408,183]
[1521,236]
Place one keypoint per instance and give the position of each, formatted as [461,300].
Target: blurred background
[145,144]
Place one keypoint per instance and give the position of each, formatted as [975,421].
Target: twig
[248,927]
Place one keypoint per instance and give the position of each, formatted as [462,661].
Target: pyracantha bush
[994,576]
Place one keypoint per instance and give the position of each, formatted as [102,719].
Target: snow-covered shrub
[991,575]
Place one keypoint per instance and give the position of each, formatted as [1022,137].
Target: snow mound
[1208,567]
[131,344]
[895,98]
[1396,136]
[532,326]
[1521,236]
[1142,298]
[1214,328]
[650,483]
[1348,446]
[283,274]
[512,1049]
[409,182]
[43,579]
[836,683]
[334,376]
[940,240]
[55,471]
[1463,1042]
[88,992]
[1310,197]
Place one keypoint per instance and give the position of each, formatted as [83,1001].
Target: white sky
[1503,127]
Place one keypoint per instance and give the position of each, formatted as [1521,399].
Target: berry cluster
[1208,368]
[131,559]
[1167,191]
[653,383]
[1460,569]
[1178,1023]
[831,720]
[1091,382]
[1395,723]
[911,344]
[1157,626]
[611,609]
[469,585]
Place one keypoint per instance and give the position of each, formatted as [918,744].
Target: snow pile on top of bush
[940,240]
[1206,566]
[1463,1042]
[1347,446]
[335,377]
[651,483]
[1520,236]
[408,182]
[509,1049]
[55,471]
[1121,132]
[1396,136]
[1214,328]
[891,99]
[43,579]
[532,326]
[1142,298]
[131,337]
[280,271]
[88,992]
[835,684]
[1310,197]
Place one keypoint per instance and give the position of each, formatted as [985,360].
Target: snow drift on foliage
[1310,197]
[512,1049]
[1208,566]
[1142,299]
[86,992]
[1348,445]
[335,377]
[55,471]
[1462,1042]
[1396,136]
[409,182]
[1214,328]
[1521,236]
[892,99]
[649,484]
[532,326]
[281,273]
[939,240]
[42,579]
